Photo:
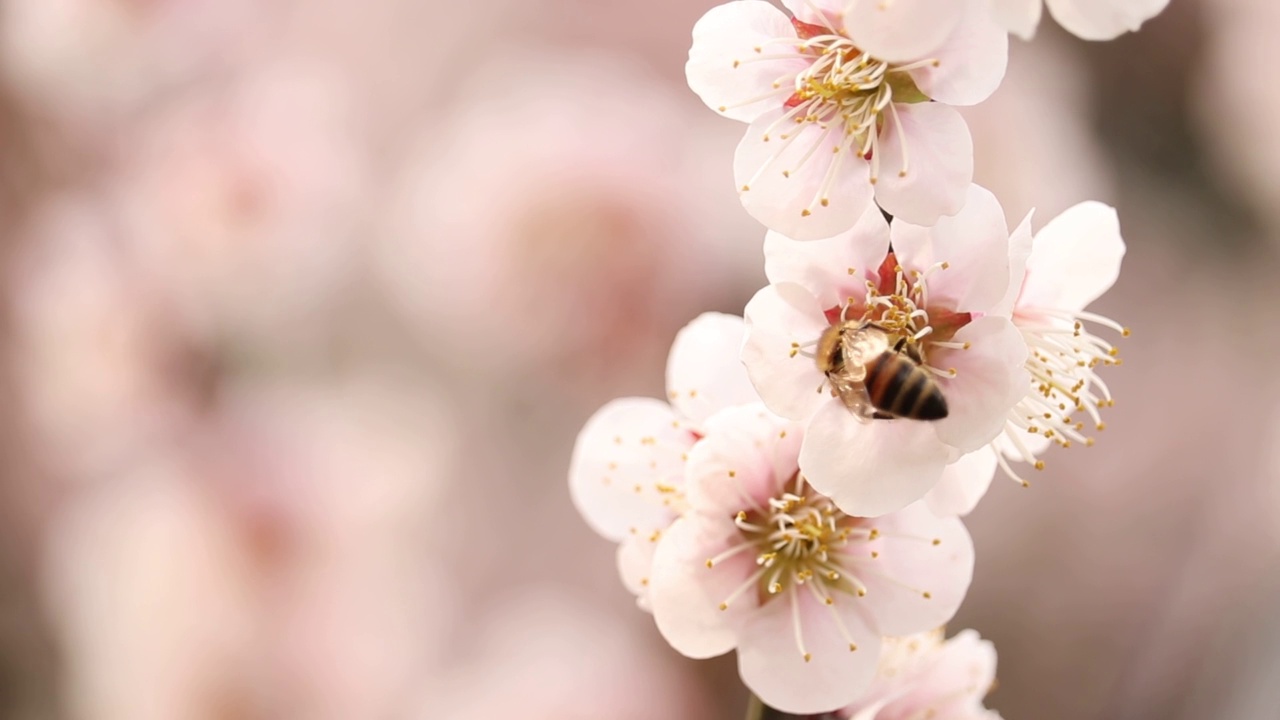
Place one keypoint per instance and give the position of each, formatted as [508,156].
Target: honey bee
[874,379]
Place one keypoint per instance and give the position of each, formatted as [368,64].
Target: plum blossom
[933,294]
[629,239]
[915,26]
[627,472]
[243,205]
[1071,262]
[835,127]
[922,676]
[1086,19]
[764,563]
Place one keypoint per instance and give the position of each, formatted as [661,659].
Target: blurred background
[303,304]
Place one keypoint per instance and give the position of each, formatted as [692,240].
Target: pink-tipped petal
[923,571]
[773,666]
[1075,258]
[1103,19]
[926,162]
[704,369]
[727,71]
[971,63]
[973,243]
[779,318]
[869,469]
[785,171]
[742,461]
[901,30]
[835,268]
[623,453]
[685,594]
[990,379]
[963,483]
[1019,252]
[1020,17]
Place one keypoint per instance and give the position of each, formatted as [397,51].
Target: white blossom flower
[764,563]
[1071,262]
[915,26]
[832,124]
[933,294]
[923,677]
[1086,19]
[627,472]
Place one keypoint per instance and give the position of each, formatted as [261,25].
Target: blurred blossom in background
[304,303]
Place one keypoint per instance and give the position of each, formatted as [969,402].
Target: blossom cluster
[798,495]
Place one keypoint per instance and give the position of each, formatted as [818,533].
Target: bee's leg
[877,415]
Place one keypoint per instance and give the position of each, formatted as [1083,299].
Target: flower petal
[835,268]
[623,452]
[773,666]
[778,318]
[786,170]
[971,63]
[870,468]
[975,246]
[1019,17]
[742,461]
[704,370]
[635,562]
[1103,19]
[903,30]
[1019,251]
[685,594]
[725,69]
[815,12]
[990,380]
[923,571]
[963,484]
[926,162]
[1075,258]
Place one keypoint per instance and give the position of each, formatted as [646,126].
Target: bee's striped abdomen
[896,385]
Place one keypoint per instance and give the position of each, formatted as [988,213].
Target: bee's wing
[861,347]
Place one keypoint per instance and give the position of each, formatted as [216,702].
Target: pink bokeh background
[303,304]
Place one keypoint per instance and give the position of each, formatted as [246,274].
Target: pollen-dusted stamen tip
[724,606]
[853,647]
[1125,332]
[1039,464]
[710,563]
[745,188]
[937,541]
[902,173]
[862,592]
[825,202]
[927,595]
[807,657]
[805,213]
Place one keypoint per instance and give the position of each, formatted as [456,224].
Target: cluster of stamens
[844,90]
[1063,359]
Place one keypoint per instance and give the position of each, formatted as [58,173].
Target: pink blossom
[103,375]
[243,205]
[836,128]
[1069,263]
[923,677]
[627,472]
[934,295]
[915,27]
[583,234]
[279,566]
[1087,19]
[765,564]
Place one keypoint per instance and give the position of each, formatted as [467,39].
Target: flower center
[846,85]
[794,538]
[897,311]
